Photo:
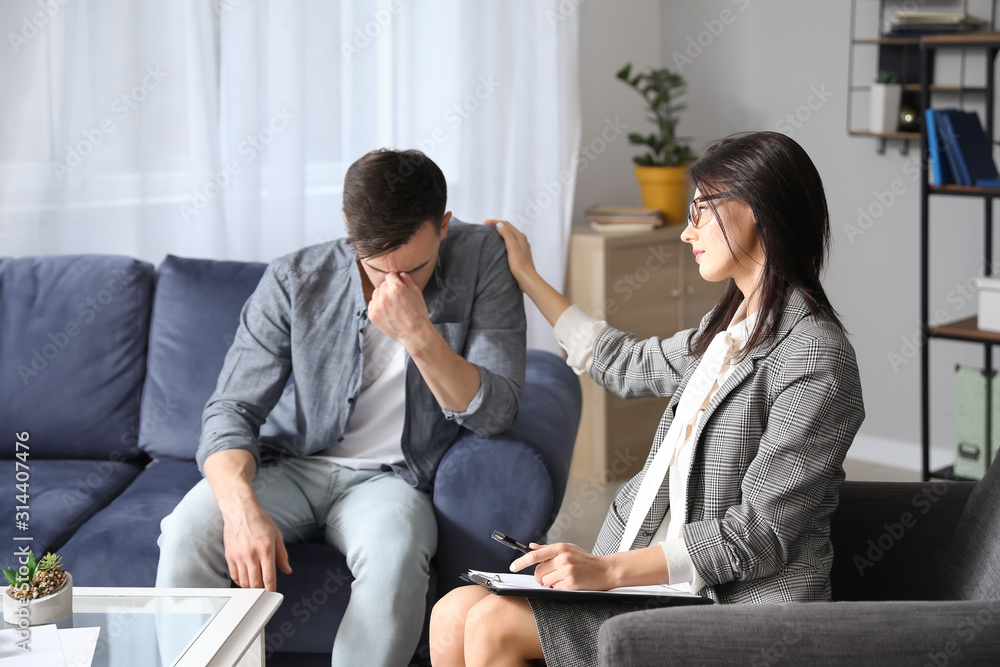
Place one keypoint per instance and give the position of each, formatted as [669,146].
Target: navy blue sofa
[107,364]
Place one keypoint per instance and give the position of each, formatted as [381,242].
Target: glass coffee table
[159,627]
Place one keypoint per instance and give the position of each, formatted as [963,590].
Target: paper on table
[526,582]
[44,648]
[78,645]
[49,646]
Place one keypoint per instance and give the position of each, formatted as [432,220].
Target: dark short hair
[388,196]
[773,175]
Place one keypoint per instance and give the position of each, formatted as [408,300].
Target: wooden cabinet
[645,283]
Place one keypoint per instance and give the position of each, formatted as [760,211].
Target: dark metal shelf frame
[963,330]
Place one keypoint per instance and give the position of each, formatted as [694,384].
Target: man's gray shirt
[306,320]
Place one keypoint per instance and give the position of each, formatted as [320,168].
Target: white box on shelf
[883,110]
[989,304]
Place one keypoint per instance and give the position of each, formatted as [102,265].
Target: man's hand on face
[398,309]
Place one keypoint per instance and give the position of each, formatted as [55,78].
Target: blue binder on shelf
[949,139]
[940,169]
[975,150]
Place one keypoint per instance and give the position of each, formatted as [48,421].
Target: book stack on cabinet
[619,219]
[646,283]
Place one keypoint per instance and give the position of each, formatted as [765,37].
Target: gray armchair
[916,581]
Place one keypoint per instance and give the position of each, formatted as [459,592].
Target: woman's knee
[455,605]
[448,619]
[498,625]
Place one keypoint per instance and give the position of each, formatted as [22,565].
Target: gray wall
[782,65]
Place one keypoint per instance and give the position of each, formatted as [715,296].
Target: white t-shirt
[375,430]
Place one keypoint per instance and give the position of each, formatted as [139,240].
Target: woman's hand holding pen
[568,567]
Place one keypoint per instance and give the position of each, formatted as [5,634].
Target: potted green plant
[661,171]
[39,592]
[886,94]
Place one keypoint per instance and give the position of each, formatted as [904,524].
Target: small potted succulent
[41,592]
[886,94]
[662,170]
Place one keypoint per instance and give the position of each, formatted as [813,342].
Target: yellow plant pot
[665,188]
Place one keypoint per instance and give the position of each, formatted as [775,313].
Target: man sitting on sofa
[396,337]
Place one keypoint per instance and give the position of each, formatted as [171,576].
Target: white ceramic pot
[48,609]
[884,109]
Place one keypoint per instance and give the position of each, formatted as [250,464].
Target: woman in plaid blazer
[766,446]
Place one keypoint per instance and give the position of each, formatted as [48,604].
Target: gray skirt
[568,630]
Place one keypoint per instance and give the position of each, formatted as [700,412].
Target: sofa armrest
[817,633]
[513,482]
[888,536]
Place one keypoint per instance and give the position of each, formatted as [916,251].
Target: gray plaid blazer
[767,464]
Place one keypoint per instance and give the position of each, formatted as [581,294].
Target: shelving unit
[904,56]
[964,330]
[899,50]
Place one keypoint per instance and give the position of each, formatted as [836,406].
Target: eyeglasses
[694,214]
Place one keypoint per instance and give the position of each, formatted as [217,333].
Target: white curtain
[222,128]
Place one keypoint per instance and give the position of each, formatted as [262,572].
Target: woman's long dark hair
[774,176]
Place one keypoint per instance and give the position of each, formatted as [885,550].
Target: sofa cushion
[196,311]
[117,546]
[887,535]
[62,495]
[972,561]
[73,333]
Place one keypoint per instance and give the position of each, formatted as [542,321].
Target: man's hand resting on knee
[254,545]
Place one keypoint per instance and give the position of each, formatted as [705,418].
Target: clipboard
[524,585]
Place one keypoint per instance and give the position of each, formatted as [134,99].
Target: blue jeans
[384,527]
